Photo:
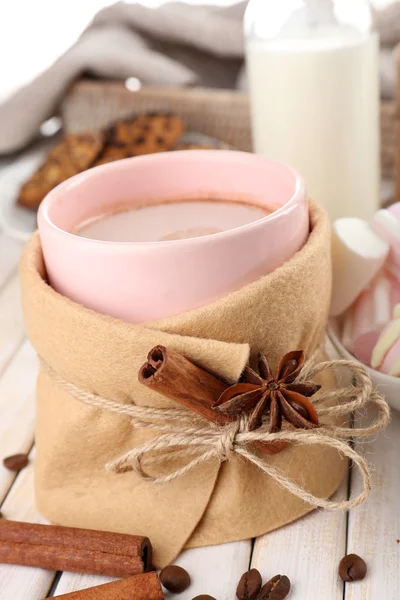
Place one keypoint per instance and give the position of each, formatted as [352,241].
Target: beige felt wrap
[213,503]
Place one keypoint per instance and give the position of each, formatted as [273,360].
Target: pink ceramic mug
[144,281]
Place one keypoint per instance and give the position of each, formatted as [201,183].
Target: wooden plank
[215,571]
[374,528]
[10,251]
[12,329]
[23,583]
[308,551]
[71,582]
[17,409]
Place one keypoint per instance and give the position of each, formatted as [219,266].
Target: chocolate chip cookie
[74,153]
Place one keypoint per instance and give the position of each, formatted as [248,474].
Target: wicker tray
[222,114]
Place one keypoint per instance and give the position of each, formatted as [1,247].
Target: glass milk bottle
[314,88]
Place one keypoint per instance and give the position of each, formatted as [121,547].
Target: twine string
[188,438]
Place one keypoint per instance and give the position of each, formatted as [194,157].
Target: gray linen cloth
[175,45]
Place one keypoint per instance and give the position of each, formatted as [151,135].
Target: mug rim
[299,194]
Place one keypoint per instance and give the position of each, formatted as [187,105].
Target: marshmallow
[386,223]
[369,315]
[386,354]
[358,254]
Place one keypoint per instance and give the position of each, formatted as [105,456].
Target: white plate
[16,221]
[387,385]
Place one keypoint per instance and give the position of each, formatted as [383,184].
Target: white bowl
[387,385]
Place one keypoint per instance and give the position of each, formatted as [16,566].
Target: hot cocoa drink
[172,220]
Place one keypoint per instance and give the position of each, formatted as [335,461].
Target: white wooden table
[307,551]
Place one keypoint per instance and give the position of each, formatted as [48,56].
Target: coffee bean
[277,588]
[249,585]
[204,597]
[352,568]
[175,579]
[16,462]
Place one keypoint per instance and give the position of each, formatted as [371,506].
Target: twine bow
[192,440]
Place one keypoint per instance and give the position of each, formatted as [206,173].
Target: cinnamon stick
[140,587]
[176,377]
[71,549]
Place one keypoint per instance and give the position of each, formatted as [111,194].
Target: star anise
[278,394]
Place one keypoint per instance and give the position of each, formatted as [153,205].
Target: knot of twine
[192,440]
[226,443]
